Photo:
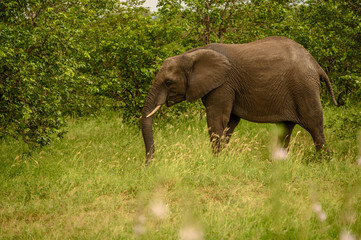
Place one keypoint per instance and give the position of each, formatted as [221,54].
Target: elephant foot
[324,153]
[218,143]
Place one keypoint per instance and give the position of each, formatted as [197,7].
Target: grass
[93,184]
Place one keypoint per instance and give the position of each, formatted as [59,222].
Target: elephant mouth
[174,100]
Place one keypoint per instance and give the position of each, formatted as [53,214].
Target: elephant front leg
[219,106]
[218,130]
[216,141]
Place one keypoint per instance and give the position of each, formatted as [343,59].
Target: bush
[40,63]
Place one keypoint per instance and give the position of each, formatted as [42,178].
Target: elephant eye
[168,82]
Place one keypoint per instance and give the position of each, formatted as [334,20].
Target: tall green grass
[93,184]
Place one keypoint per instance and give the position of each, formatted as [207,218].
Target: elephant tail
[325,78]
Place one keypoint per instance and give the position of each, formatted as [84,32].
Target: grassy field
[93,184]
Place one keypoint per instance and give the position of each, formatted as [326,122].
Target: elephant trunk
[156,97]
[147,133]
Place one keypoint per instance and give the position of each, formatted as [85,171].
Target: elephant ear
[208,71]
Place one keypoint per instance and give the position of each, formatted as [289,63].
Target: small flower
[359,161]
[317,208]
[191,233]
[322,216]
[139,228]
[346,235]
[279,154]
[159,209]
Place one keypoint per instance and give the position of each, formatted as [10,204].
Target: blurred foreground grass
[93,184]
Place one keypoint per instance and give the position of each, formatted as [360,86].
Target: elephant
[272,80]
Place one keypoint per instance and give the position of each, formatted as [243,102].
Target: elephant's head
[188,76]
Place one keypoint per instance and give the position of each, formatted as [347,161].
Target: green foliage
[75,58]
[132,48]
[335,40]
[40,63]
[348,119]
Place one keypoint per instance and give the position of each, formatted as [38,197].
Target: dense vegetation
[75,58]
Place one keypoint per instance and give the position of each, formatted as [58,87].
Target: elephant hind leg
[318,138]
[316,131]
[232,124]
[285,137]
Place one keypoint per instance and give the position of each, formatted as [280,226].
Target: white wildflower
[191,233]
[317,208]
[140,228]
[159,209]
[346,235]
[322,216]
[279,154]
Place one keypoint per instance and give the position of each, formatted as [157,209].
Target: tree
[39,67]
[206,21]
[334,33]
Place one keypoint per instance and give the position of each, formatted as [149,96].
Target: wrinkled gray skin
[273,80]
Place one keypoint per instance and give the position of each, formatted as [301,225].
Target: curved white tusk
[155,109]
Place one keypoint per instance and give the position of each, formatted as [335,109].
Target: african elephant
[273,80]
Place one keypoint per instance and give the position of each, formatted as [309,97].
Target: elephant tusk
[155,109]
